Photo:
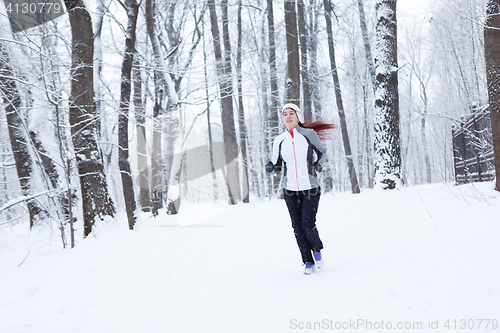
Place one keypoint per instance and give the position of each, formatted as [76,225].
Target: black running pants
[303,206]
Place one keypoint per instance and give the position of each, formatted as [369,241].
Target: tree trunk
[142,159]
[241,113]
[50,177]
[314,79]
[209,123]
[338,94]
[173,118]
[5,155]
[366,134]
[126,86]
[387,139]
[83,120]
[492,55]
[52,83]
[156,156]
[371,73]
[230,142]
[19,143]
[226,94]
[98,60]
[292,47]
[425,144]
[274,124]
[171,123]
[159,58]
[163,85]
[48,164]
[303,33]
[366,41]
[266,130]
[157,190]
[273,116]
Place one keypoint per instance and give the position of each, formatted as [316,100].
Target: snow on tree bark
[178,72]
[492,55]
[223,65]
[387,153]
[292,47]
[241,112]
[132,8]
[228,127]
[273,74]
[19,143]
[83,119]
[158,53]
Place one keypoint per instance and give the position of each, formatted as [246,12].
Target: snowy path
[416,255]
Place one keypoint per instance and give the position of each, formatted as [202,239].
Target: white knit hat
[294,107]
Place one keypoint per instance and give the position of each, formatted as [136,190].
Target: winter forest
[136,133]
[145,106]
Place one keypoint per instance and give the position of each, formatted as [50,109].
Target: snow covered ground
[423,259]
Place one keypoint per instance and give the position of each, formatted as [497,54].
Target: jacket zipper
[295,157]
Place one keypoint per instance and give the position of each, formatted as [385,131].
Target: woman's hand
[269,167]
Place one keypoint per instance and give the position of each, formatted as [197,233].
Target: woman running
[294,151]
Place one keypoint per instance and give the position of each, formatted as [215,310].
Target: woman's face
[290,118]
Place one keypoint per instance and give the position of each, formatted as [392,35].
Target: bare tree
[340,105]
[209,123]
[304,70]
[157,190]
[98,65]
[84,121]
[132,8]
[164,86]
[312,49]
[17,134]
[241,113]
[142,159]
[366,42]
[223,65]
[272,118]
[273,73]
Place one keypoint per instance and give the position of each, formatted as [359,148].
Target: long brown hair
[323,129]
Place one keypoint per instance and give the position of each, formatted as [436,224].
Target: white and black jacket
[294,152]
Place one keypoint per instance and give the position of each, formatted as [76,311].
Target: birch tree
[387,151]
[241,112]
